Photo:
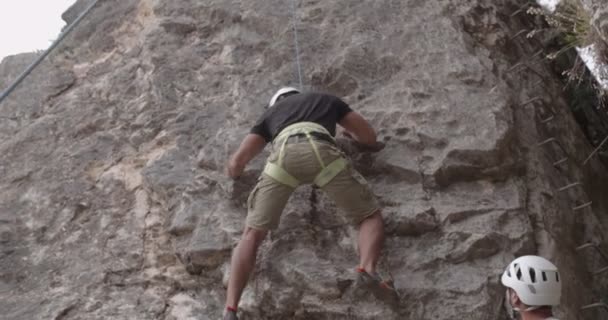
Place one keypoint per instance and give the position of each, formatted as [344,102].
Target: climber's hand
[376,147]
[234,170]
[347,135]
[351,147]
[251,146]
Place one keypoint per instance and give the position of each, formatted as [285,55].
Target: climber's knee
[254,236]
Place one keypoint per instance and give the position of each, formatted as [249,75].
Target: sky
[29,25]
[549,4]
[590,57]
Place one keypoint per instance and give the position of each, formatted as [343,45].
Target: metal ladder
[560,159]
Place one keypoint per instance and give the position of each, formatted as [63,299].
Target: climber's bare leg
[371,239]
[243,262]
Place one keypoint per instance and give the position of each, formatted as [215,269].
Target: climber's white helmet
[280,92]
[535,280]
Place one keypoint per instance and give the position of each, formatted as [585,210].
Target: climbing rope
[295,39]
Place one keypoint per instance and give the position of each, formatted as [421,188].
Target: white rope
[295,37]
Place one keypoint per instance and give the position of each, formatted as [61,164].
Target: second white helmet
[280,92]
[535,280]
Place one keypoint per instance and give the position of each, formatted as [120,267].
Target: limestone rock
[114,202]
[75,10]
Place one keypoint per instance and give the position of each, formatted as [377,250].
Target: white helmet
[281,92]
[535,280]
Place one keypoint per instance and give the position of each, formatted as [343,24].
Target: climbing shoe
[230,314]
[372,282]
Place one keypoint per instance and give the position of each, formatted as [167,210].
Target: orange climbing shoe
[372,282]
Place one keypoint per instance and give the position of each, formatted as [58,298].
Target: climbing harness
[327,173]
[295,40]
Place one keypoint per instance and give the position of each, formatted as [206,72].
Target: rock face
[75,10]
[600,18]
[114,204]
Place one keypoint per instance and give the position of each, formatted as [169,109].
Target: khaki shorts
[348,189]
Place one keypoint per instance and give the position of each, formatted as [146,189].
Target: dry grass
[571,21]
[571,25]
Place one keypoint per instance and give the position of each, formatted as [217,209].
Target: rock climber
[533,287]
[301,127]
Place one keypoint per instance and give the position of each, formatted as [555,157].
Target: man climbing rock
[533,287]
[301,127]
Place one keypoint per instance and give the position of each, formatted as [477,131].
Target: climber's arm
[251,146]
[358,128]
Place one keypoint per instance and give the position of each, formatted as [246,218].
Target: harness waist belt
[315,135]
[310,130]
[301,127]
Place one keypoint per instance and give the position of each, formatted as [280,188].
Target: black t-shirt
[321,108]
